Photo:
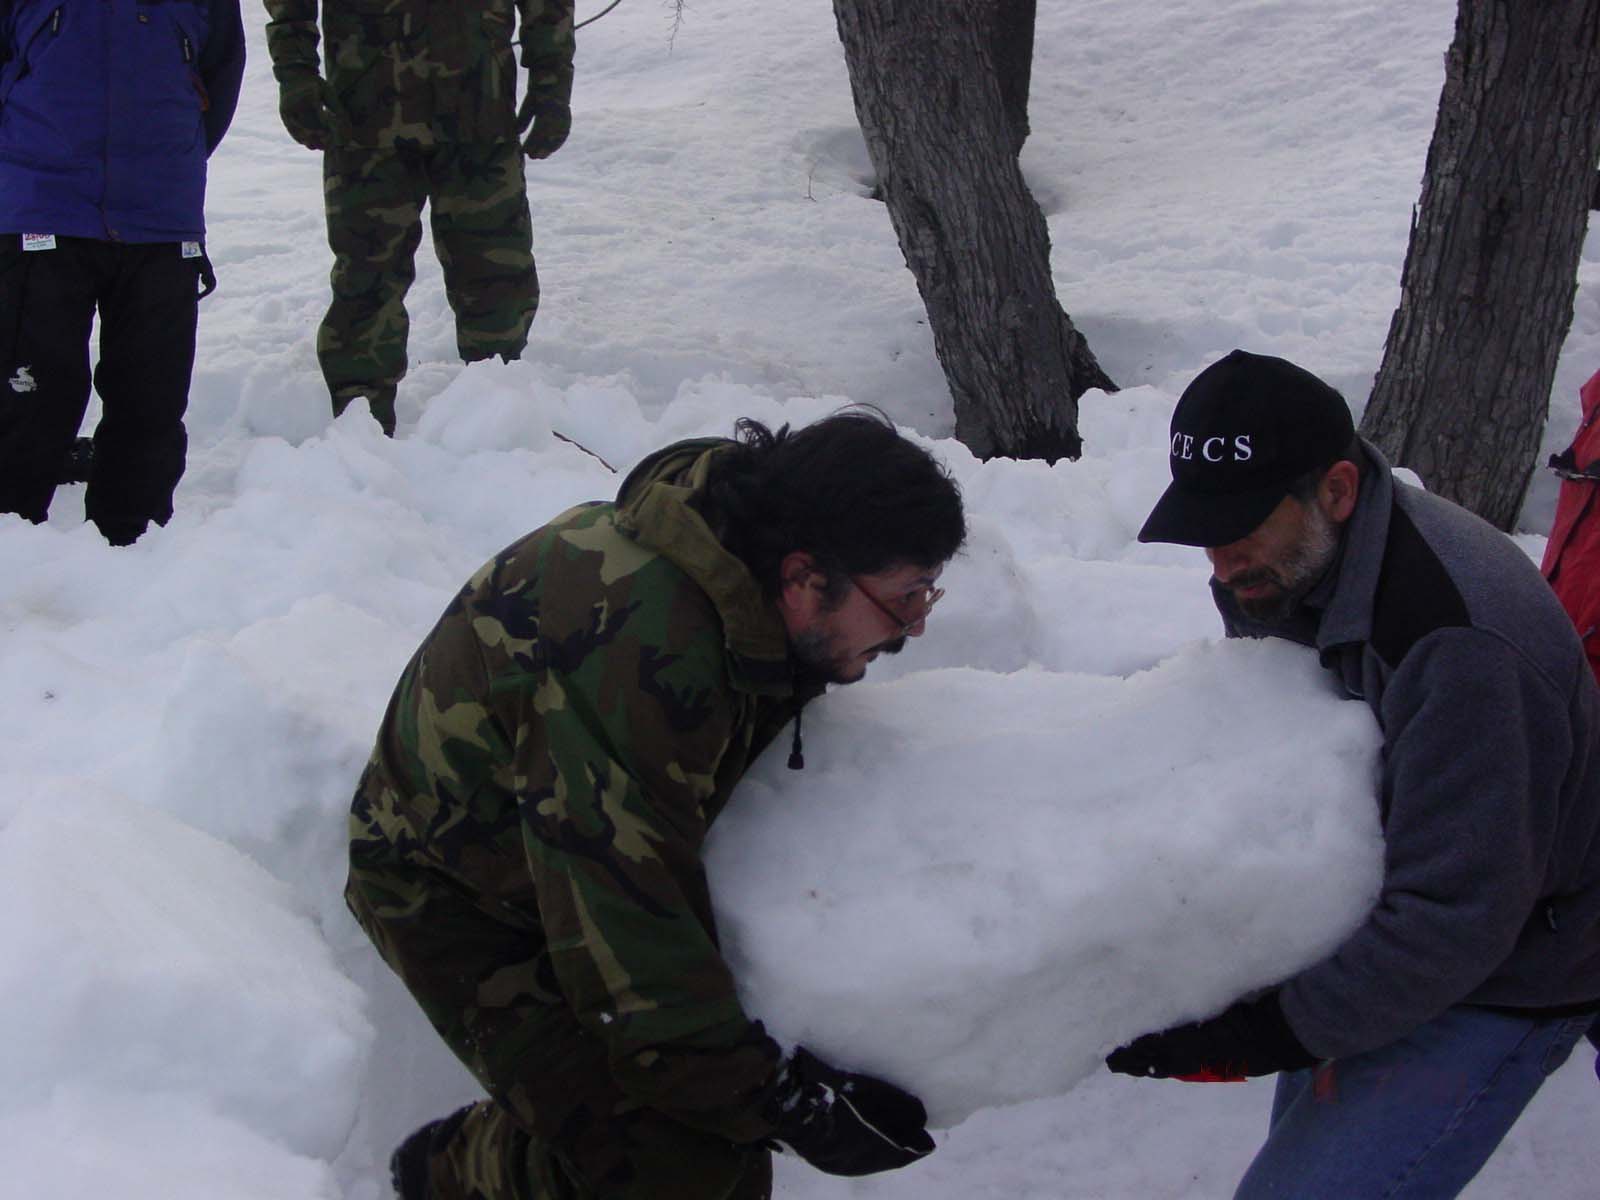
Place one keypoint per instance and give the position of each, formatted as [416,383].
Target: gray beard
[1298,574]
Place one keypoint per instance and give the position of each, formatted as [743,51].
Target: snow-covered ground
[1045,777]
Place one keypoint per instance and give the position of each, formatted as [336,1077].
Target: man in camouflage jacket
[419,106]
[525,841]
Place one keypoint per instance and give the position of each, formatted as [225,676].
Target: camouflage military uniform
[525,850]
[421,97]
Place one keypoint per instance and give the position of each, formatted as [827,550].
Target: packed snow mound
[149,1145]
[981,883]
[140,957]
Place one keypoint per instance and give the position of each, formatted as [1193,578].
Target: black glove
[551,121]
[842,1123]
[547,108]
[303,107]
[1251,1038]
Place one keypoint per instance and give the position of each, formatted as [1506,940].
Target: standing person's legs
[1416,1119]
[47,303]
[484,237]
[374,204]
[148,315]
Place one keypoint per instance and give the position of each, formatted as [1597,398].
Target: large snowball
[981,883]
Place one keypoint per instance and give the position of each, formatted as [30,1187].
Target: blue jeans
[1415,1119]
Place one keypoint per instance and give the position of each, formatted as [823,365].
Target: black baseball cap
[1244,430]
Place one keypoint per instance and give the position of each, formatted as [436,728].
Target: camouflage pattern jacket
[424,72]
[558,748]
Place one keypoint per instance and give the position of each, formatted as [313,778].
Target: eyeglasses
[907,611]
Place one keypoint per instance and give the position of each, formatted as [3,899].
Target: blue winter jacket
[108,111]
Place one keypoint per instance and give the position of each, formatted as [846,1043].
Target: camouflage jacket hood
[657,507]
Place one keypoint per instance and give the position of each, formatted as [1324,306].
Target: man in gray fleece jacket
[1408,1052]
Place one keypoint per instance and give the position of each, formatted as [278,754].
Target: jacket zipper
[54,27]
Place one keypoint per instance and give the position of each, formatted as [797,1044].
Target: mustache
[1250,579]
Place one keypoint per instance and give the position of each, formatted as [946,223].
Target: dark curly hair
[849,490]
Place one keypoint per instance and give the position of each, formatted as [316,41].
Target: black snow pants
[147,297]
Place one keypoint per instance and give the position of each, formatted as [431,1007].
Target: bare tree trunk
[1486,292]
[1013,62]
[930,107]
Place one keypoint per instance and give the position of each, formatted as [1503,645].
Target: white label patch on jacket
[38,241]
[23,381]
[191,249]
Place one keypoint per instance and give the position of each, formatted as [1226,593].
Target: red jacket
[1572,559]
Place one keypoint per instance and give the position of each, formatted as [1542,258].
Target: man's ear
[799,591]
[1337,492]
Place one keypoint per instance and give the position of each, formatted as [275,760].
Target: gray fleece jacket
[1490,784]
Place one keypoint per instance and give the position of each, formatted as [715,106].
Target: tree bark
[1012,50]
[930,106]
[1486,291]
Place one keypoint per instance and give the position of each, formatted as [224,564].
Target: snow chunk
[981,883]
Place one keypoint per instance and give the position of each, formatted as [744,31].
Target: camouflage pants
[478,211]
[491,1157]
[556,1126]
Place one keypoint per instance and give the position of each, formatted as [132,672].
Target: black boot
[483,354]
[382,406]
[122,531]
[75,467]
[380,401]
[408,1165]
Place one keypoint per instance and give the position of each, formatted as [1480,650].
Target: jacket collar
[1348,614]
[657,507]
